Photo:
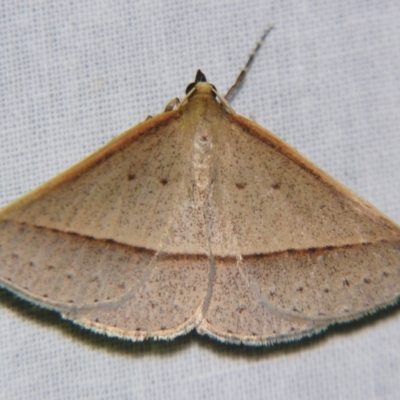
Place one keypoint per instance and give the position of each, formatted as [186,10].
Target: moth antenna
[250,60]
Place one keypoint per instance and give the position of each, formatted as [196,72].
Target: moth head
[200,82]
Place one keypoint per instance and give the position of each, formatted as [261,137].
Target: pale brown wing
[92,242]
[267,198]
[132,191]
[294,250]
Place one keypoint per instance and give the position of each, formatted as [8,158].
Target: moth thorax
[202,152]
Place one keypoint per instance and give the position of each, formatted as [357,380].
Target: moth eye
[190,87]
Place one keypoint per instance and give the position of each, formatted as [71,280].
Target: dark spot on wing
[164,181]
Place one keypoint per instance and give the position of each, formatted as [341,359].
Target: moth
[198,218]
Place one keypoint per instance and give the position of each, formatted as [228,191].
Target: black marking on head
[200,77]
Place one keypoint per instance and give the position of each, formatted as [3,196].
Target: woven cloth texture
[73,75]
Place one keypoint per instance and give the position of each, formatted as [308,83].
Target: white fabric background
[75,74]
